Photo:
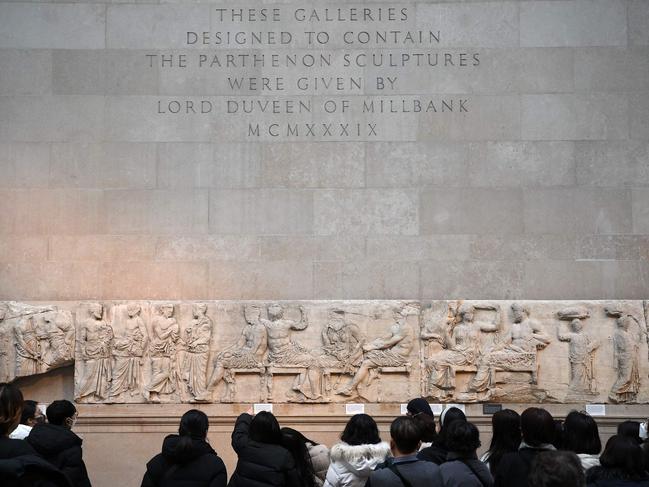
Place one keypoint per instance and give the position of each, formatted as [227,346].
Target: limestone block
[403,164]
[480,280]
[416,248]
[463,25]
[639,116]
[362,212]
[261,211]
[467,211]
[640,202]
[297,247]
[546,70]
[600,116]
[24,165]
[523,247]
[612,69]
[38,280]
[30,73]
[638,18]
[51,118]
[200,165]
[612,163]
[50,211]
[626,278]
[312,165]
[103,165]
[550,279]
[578,211]
[23,248]
[101,248]
[275,279]
[206,248]
[573,23]
[92,72]
[613,247]
[156,212]
[51,26]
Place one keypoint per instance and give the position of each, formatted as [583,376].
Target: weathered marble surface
[334,351]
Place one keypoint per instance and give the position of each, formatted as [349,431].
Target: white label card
[354,409]
[596,409]
[404,409]
[257,408]
[436,408]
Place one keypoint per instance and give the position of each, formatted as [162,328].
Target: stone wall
[535,185]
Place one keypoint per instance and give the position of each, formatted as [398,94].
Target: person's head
[11,406]
[264,428]
[506,427]
[624,454]
[133,309]
[166,310]
[420,410]
[361,429]
[537,426]
[630,429]
[252,314]
[96,310]
[556,469]
[296,443]
[199,309]
[519,312]
[580,434]
[31,415]
[462,438]
[194,423]
[275,312]
[61,413]
[466,312]
[448,417]
[576,325]
[298,435]
[405,436]
[623,322]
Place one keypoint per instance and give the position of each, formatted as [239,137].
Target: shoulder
[344,452]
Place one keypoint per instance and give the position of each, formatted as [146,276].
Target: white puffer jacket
[351,465]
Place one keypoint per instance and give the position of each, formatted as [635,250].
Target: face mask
[644,430]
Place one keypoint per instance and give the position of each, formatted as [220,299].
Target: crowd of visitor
[527,450]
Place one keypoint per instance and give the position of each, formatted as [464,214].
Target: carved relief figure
[247,353]
[626,355]
[4,345]
[581,357]
[28,353]
[128,352]
[95,337]
[56,337]
[282,351]
[197,341]
[391,350]
[165,337]
[342,342]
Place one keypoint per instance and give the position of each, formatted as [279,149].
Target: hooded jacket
[588,461]
[468,472]
[514,468]
[612,477]
[351,465]
[196,466]
[62,448]
[30,470]
[260,464]
[320,460]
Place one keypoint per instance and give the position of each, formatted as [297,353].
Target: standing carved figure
[128,352]
[247,353]
[391,350]
[95,337]
[56,336]
[581,357]
[197,340]
[28,353]
[342,342]
[282,351]
[626,348]
[164,373]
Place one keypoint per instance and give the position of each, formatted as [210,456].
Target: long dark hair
[448,417]
[630,429]
[361,429]
[463,439]
[580,434]
[506,437]
[622,458]
[294,442]
[264,428]
[193,426]
[11,406]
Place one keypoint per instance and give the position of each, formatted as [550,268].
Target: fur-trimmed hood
[359,459]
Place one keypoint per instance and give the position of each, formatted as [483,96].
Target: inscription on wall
[297,73]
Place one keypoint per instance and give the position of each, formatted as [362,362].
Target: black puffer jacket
[30,471]
[260,464]
[433,453]
[612,477]
[62,448]
[197,466]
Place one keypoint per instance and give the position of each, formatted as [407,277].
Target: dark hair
[11,406]
[557,439]
[556,469]
[299,435]
[193,426]
[361,429]
[294,442]
[537,426]
[506,436]
[405,433]
[624,455]
[580,434]
[264,428]
[419,409]
[463,438]
[29,410]
[630,429]
[58,411]
[448,417]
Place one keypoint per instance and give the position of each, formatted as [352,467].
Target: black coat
[514,468]
[62,448]
[197,466]
[21,466]
[260,464]
[607,477]
[433,453]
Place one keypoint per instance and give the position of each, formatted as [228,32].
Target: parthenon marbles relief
[334,351]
